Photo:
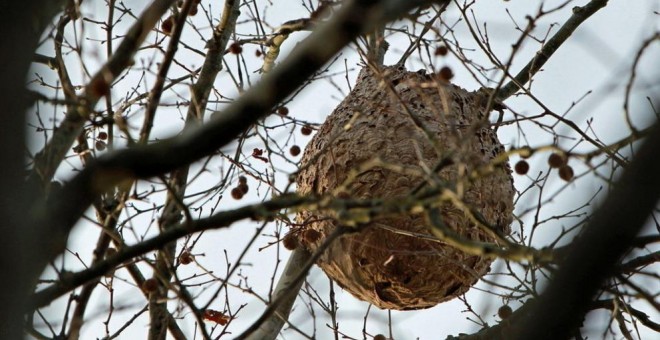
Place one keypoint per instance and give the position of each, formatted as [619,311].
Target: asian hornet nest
[407,121]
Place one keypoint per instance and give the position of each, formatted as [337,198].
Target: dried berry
[216,316]
[100,145]
[103,135]
[257,152]
[167,25]
[306,130]
[380,337]
[244,188]
[556,160]
[258,53]
[504,312]
[237,193]
[290,241]
[193,10]
[446,73]
[522,167]
[150,285]
[283,110]
[186,258]
[311,235]
[295,150]
[566,173]
[99,87]
[441,50]
[235,48]
[242,180]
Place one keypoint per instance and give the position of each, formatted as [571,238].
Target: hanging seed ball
[380,337]
[556,160]
[504,312]
[103,135]
[100,145]
[290,241]
[150,285]
[242,180]
[398,270]
[186,258]
[522,167]
[244,188]
[167,25]
[566,173]
[295,150]
[441,50]
[306,130]
[283,110]
[235,48]
[446,73]
[237,193]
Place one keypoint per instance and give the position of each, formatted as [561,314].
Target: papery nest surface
[404,123]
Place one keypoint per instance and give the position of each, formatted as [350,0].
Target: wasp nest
[405,120]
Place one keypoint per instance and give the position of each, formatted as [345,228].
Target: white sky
[597,58]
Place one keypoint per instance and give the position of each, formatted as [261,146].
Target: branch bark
[65,208]
[592,257]
[580,14]
[21,24]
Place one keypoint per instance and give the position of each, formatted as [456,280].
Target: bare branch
[580,14]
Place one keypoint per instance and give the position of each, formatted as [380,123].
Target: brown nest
[377,120]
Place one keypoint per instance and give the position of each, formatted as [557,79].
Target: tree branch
[48,159]
[271,326]
[64,209]
[592,257]
[580,14]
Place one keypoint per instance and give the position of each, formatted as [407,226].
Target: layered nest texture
[403,124]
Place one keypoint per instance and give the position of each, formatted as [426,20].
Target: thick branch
[592,257]
[21,24]
[580,14]
[62,212]
[287,283]
[51,156]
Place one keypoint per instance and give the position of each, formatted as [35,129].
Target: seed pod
[150,285]
[311,235]
[186,258]
[237,193]
[441,50]
[244,188]
[522,167]
[167,25]
[100,145]
[290,241]
[566,173]
[446,73]
[504,312]
[306,130]
[556,160]
[295,150]
[235,48]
